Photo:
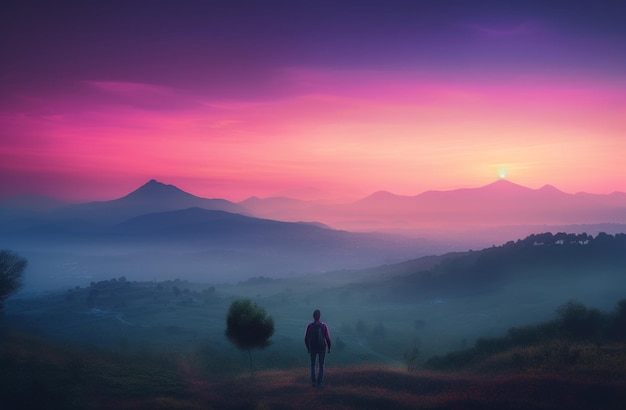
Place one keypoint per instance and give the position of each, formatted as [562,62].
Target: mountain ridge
[500,203]
[154,189]
[151,197]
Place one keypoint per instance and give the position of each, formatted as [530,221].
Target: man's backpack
[317,338]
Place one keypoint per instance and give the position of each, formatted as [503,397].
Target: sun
[502,171]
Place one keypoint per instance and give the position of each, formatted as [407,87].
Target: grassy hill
[39,374]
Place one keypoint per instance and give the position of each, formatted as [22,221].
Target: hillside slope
[37,374]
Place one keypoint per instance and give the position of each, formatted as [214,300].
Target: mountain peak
[155,190]
[503,183]
[153,183]
[550,188]
[505,186]
[382,195]
[379,196]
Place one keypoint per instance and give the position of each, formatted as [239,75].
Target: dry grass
[37,374]
[371,387]
[562,358]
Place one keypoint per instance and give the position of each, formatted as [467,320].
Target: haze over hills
[133,235]
[163,229]
[151,197]
[30,203]
[498,211]
[499,204]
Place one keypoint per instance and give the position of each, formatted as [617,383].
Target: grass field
[37,373]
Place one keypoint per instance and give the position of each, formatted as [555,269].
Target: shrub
[579,322]
[11,270]
[248,327]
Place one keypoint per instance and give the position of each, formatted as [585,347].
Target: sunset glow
[315,107]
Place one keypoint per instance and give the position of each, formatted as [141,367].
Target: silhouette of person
[317,341]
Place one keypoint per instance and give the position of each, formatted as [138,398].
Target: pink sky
[321,127]
[356,134]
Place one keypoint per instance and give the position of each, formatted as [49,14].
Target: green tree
[579,321]
[248,326]
[12,268]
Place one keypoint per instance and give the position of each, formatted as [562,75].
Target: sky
[328,100]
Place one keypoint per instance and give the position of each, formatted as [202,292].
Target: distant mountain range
[149,198]
[166,233]
[163,229]
[501,203]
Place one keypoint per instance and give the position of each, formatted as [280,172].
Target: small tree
[11,269]
[579,321]
[248,326]
[410,358]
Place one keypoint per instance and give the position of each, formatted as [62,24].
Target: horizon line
[318,200]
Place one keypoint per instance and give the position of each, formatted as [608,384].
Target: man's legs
[313,357]
[320,374]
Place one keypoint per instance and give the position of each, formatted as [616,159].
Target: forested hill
[556,256]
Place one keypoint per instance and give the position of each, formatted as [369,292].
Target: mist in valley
[177,302]
[57,262]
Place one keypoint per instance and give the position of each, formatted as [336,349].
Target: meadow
[40,374]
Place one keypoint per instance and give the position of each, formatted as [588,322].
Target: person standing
[317,341]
